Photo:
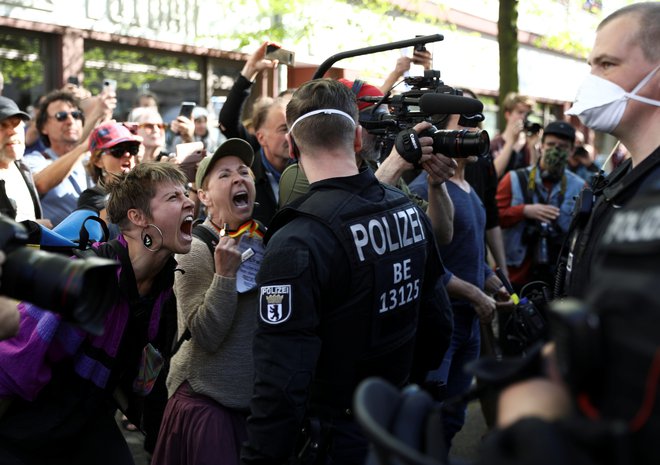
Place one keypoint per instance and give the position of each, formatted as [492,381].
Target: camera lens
[80,290]
[461,144]
[532,128]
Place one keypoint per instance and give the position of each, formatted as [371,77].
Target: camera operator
[581,162]
[205,130]
[515,147]
[535,205]
[439,168]
[475,291]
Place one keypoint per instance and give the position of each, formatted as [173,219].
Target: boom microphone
[446,104]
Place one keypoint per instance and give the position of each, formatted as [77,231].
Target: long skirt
[197,430]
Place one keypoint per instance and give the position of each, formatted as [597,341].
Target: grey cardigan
[217,360]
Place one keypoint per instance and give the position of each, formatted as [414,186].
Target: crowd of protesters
[266,267]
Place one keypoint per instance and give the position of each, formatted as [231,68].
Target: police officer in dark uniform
[599,406]
[620,97]
[349,288]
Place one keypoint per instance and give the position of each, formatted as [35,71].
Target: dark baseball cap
[561,129]
[8,108]
[231,147]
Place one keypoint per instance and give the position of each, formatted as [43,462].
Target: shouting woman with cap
[211,376]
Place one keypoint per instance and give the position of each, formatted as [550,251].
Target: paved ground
[466,443]
[464,447]
[135,439]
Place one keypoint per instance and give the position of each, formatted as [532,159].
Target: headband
[325,111]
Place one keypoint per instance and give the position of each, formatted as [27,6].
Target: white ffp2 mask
[600,103]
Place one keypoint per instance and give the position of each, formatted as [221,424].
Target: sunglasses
[63,115]
[151,126]
[118,151]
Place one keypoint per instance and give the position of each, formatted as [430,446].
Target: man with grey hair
[19,199]
[621,97]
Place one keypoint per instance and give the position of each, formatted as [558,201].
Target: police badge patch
[275,304]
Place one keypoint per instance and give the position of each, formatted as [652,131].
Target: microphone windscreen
[446,104]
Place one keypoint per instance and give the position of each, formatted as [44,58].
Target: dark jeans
[464,348]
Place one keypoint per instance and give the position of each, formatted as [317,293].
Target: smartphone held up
[187,109]
[109,86]
[276,52]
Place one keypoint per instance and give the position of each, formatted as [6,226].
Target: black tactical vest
[372,331]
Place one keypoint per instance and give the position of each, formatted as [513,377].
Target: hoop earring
[148,241]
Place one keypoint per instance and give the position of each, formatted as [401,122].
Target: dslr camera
[545,238]
[79,290]
[531,126]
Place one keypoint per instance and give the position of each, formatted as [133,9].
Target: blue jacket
[516,250]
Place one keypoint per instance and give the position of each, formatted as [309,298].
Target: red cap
[108,135]
[365,90]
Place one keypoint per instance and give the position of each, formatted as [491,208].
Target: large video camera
[428,99]
[80,290]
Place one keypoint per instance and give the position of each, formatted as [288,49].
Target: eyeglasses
[63,115]
[120,150]
[151,126]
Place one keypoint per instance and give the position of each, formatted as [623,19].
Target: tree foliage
[563,41]
[19,61]
[115,62]
[266,21]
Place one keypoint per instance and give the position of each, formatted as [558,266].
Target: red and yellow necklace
[251,227]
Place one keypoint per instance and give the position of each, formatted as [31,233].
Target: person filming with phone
[201,130]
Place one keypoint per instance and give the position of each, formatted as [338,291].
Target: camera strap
[527,193]
[528,186]
[409,147]
[521,174]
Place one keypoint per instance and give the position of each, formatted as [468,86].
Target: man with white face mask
[621,96]
[589,400]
